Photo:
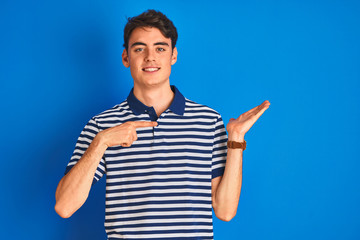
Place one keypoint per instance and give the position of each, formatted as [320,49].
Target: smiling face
[149,56]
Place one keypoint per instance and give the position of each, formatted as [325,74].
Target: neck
[159,98]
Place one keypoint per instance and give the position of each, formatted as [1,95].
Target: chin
[153,83]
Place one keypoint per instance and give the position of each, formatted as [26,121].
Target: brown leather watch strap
[234,145]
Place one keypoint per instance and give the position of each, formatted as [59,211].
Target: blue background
[61,64]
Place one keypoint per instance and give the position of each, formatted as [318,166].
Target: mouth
[151,69]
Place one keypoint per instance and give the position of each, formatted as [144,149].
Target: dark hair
[151,18]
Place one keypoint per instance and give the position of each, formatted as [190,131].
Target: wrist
[100,141]
[236,137]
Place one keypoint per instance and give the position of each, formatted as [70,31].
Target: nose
[150,55]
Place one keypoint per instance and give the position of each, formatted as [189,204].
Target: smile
[151,69]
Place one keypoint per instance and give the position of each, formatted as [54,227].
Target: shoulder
[192,107]
[113,116]
[116,110]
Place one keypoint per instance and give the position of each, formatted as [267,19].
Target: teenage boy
[167,159]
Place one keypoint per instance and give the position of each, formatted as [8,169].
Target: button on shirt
[160,187]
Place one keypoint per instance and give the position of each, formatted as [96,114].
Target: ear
[125,58]
[174,56]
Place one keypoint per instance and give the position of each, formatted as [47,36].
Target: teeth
[151,69]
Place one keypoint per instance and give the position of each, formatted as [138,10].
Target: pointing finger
[142,124]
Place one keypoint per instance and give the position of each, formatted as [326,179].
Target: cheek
[134,64]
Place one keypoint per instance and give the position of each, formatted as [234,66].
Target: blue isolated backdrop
[60,64]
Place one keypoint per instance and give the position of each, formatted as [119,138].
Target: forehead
[148,35]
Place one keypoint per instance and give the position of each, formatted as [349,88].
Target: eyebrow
[143,44]
[162,43]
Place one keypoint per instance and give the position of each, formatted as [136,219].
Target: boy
[167,159]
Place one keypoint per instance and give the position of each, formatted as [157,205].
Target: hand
[124,134]
[238,127]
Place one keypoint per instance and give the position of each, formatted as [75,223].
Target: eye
[161,49]
[138,49]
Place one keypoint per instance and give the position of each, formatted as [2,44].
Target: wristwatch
[234,145]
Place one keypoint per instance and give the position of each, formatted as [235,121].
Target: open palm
[242,124]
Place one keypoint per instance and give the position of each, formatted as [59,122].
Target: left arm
[226,189]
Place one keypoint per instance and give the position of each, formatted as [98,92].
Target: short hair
[151,18]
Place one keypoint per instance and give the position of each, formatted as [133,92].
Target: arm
[73,189]
[226,189]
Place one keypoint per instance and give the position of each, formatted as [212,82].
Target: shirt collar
[177,105]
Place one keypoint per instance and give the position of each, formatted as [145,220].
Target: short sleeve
[82,144]
[219,149]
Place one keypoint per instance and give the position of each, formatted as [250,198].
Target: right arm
[73,189]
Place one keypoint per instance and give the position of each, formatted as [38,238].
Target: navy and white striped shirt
[160,187]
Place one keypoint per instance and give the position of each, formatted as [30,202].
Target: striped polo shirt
[160,187]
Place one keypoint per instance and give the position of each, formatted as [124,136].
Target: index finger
[141,124]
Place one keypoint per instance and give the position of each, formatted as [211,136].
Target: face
[149,57]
